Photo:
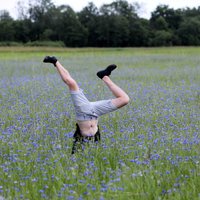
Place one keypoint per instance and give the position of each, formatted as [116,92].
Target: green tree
[120,8]
[51,20]
[161,38]
[112,31]
[7,31]
[139,32]
[37,11]
[172,17]
[160,23]
[189,31]
[5,16]
[191,12]
[114,23]
[22,30]
[88,17]
[165,21]
[69,28]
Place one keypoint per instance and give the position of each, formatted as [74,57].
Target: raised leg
[66,77]
[64,74]
[122,98]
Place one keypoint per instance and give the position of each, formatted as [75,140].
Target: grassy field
[149,149]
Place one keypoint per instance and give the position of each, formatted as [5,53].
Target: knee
[126,99]
[121,101]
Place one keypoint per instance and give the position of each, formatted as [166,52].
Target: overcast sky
[147,5]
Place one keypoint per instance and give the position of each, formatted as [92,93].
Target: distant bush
[34,43]
[9,43]
[46,43]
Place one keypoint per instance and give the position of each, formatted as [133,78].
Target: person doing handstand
[87,113]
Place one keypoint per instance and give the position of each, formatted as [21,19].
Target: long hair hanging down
[79,139]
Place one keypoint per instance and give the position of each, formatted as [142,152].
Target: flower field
[150,149]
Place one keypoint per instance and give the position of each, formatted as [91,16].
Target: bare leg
[121,97]
[66,77]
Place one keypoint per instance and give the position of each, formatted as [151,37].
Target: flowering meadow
[150,149]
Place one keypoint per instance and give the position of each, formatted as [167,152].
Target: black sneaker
[50,59]
[107,71]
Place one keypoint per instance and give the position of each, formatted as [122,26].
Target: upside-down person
[87,113]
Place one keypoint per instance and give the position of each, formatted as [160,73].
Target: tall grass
[149,149]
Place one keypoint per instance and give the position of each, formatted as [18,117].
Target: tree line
[112,25]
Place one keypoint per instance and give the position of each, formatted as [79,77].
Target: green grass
[149,149]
